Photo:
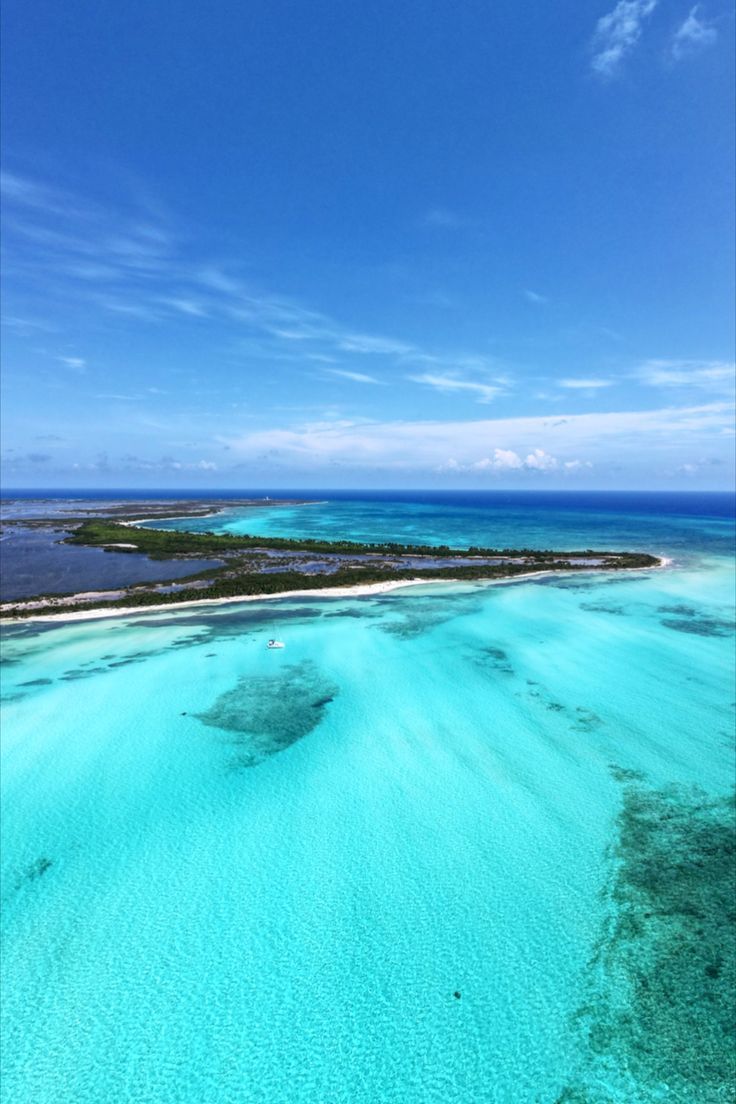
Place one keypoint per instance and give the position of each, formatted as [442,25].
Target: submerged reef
[699,626]
[269,713]
[495,659]
[425,613]
[659,1020]
[29,874]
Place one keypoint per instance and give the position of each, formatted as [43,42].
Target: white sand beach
[357,591]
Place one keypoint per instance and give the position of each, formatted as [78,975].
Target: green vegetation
[241,572]
[162,544]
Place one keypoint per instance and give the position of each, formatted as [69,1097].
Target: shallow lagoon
[238,875]
[35,561]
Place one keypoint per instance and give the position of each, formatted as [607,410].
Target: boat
[275,644]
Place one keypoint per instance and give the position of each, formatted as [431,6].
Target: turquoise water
[235,875]
[680,523]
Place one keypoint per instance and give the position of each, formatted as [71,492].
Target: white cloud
[485,392]
[540,460]
[502,460]
[165,463]
[130,308]
[426,445]
[617,33]
[534,296]
[77,363]
[366,343]
[707,375]
[186,306]
[692,35]
[120,398]
[320,358]
[357,377]
[584,384]
[507,460]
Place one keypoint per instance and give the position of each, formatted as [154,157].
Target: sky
[398,244]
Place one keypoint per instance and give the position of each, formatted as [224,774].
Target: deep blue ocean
[694,503]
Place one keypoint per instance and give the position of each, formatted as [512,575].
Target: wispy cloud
[483,392]
[617,33]
[706,375]
[133,271]
[584,384]
[78,364]
[534,296]
[356,377]
[692,35]
[34,195]
[185,306]
[26,327]
[365,343]
[52,234]
[120,398]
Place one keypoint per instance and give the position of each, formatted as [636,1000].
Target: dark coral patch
[239,622]
[32,873]
[586,720]
[425,613]
[495,659]
[268,713]
[662,983]
[354,613]
[699,626]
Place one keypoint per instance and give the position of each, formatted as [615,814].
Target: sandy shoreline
[357,591]
[147,522]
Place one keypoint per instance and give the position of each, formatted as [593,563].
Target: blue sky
[398,244]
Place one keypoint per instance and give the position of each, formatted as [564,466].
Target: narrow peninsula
[256,566]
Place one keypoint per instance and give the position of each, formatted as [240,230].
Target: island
[256,566]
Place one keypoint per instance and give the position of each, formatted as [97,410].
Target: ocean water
[455,843]
[680,522]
